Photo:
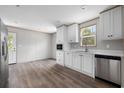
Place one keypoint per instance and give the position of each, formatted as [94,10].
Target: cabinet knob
[110,35]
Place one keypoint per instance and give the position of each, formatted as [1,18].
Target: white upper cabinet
[73,33]
[105,19]
[111,24]
[116,19]
[60,38]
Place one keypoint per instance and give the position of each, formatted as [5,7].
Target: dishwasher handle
[107,57]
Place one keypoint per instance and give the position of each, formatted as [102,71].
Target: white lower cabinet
[68,59]
[60,57]
[76,63]
[88,64]
[82,62]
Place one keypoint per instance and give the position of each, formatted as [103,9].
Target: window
[88,36]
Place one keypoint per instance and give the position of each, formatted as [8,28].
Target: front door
[12,47]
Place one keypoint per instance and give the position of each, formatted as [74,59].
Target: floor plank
[48,74]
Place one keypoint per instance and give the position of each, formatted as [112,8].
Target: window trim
[89,36]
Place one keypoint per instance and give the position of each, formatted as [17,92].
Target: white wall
[31,45]
[54,45]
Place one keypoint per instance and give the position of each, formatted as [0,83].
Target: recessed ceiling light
[83,7]
[17,5]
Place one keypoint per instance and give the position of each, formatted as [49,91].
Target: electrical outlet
[107,46]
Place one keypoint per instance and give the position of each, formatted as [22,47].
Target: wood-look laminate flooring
[48,74]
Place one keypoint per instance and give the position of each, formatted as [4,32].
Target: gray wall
[31,45]
[101,44]
[54,45]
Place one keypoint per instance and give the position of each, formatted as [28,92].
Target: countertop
[119,53]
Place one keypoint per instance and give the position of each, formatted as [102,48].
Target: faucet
[85,43]
[86,48]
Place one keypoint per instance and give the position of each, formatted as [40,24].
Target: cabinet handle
[80,55]
[111,35]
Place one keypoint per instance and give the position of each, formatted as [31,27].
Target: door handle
[6,53]
[3,48]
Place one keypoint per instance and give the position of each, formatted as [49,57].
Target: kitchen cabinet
[111,24]
[88,64]
[81,62]
[60,38]
[73,33]
[76,63]
[105,25]
[60,57]
[116,27]
[68,59]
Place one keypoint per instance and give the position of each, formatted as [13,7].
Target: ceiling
[46,18]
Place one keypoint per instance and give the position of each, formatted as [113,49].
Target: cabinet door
[68,59]
[116,23]
[60,35]
[76,63]
[70,34]
[111,24]
[60,57]
[73,32]
[106,25]
[87,66]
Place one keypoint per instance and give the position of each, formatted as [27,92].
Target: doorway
[12,47]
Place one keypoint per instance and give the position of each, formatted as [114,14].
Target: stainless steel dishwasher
[108,68]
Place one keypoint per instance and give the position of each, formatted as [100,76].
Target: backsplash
[104,45]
